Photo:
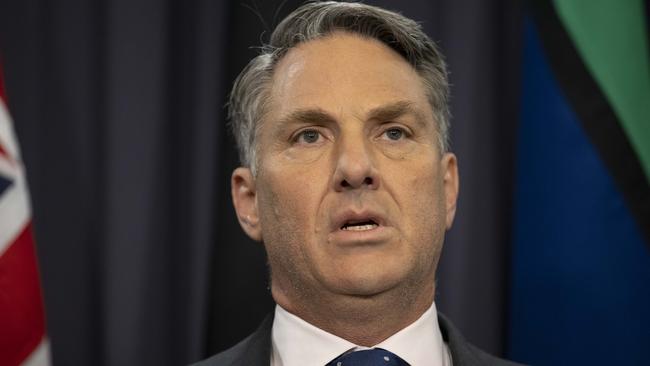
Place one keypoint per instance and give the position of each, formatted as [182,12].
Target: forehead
[343,72]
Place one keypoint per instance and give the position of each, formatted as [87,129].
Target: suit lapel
[257,350]
[461,353]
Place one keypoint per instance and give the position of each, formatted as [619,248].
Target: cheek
[277,211]
[425,201]
[279,207]
[289,200]
[288,206]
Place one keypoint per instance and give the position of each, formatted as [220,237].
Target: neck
[362,320]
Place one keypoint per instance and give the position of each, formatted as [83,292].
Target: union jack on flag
[22,321]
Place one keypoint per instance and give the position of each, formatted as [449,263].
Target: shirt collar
[296,342]
[420,343]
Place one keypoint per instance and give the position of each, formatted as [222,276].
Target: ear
[450,185]
[244,198]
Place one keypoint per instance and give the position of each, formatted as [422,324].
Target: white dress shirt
[298,343]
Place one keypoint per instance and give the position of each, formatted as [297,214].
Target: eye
[308,136]
[394,133]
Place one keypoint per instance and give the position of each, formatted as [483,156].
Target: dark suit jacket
[256,349]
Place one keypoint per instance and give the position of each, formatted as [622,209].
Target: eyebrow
[310,115]
[395,110]
[385,112]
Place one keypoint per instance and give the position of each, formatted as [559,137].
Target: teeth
[360,227]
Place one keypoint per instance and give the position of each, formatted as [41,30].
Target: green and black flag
[581,260]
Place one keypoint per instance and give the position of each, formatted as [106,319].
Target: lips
[363,225]
[365,229]
[357,221]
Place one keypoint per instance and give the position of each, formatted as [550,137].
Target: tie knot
[370,357]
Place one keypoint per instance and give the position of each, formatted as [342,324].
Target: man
[341,125]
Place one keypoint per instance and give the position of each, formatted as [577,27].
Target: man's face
[352,197]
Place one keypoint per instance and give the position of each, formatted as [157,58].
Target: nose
[355,166]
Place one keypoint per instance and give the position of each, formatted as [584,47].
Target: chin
[365,283]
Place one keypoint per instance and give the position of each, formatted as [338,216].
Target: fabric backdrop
[118,106]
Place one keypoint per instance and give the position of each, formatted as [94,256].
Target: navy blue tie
[371,357]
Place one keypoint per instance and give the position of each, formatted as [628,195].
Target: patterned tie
[371,357]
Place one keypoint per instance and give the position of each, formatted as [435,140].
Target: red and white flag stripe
[23,339]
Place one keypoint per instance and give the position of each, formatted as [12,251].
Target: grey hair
[249,96]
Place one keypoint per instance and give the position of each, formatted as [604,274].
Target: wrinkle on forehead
[316,67]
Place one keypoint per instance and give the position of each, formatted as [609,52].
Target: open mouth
[359,225]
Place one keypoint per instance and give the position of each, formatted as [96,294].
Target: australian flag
[22,322]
